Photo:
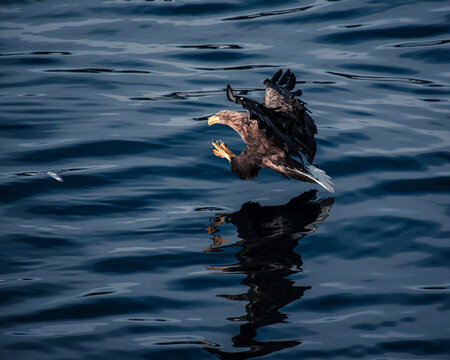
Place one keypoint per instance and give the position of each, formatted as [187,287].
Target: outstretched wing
[282,115]
[267,120]
[293,116]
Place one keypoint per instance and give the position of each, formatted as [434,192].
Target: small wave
[268,13]
[232,68]
[421,43]
[98,71]
[211,46]
[401,32]
[38,53]
[381,78]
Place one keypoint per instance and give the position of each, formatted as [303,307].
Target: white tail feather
[318,176]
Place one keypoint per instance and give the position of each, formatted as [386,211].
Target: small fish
[55,176]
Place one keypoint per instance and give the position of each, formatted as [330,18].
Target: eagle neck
[243,126]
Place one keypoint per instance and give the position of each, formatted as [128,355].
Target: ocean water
[124,237]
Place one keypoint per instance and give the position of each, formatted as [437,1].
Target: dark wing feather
[283,86]
[291,112]
[276,76]
[284,79]
[267,120]
[290,85]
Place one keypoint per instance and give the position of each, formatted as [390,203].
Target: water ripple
[269,13]
[98,71]
[382,78]
[124,237]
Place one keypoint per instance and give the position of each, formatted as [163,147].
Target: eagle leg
[220,149]
[217,241]
[218,220]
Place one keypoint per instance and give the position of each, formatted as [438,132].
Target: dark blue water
[150,248]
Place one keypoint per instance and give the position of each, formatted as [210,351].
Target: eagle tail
[312,174]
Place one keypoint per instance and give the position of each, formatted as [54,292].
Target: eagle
[278,133]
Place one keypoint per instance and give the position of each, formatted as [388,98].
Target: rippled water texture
[123,237]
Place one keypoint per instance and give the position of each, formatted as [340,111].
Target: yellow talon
[218,153]
[221,150]
[217,241]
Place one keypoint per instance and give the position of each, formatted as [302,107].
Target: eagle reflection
[268,236]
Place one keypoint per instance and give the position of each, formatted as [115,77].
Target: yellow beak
[212,120]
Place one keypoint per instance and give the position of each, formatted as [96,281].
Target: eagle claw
[220,149]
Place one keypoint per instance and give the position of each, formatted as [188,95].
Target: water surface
[150,248]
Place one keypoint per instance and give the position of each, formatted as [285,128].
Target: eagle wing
[292,112]
[283,117]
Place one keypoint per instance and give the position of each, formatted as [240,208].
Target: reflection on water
[268,236]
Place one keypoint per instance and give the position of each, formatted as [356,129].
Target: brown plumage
[274,131]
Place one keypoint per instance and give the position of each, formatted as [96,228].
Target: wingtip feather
[284,79]
[230,95]
[276,76]
[291,82]
[320,177]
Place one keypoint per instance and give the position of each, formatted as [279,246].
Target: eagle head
[226,117]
